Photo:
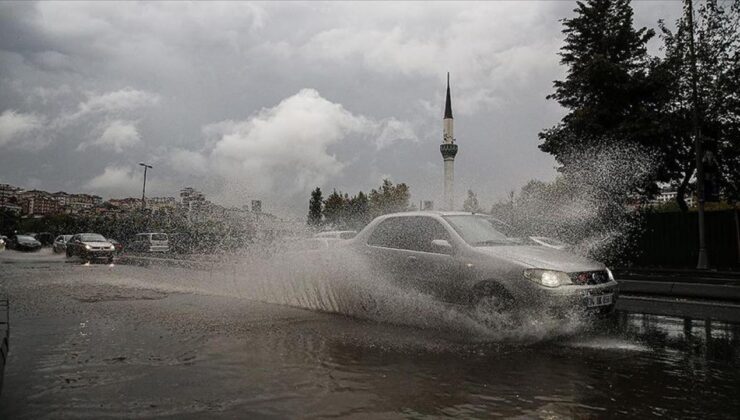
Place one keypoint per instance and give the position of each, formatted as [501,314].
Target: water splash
[589,204]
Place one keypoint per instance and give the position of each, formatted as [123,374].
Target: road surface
[101,340]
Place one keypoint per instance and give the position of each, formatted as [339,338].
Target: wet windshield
[478,231]
[92,237]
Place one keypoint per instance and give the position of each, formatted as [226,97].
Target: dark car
[45,238]
[90,246]
[24,243]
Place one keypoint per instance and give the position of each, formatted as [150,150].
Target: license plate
[600,300]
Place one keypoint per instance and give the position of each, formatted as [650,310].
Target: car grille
[589,277]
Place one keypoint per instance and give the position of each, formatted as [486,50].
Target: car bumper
[159,249]
[98,254]
[597,298]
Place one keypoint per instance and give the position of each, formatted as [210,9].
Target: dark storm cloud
[260,100]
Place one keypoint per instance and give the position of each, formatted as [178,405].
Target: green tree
[359,211]
[315,208]
[607,89]
[389,198]
[471,203]
[717,51]
[335,210]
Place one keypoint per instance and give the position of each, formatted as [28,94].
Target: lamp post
[143,191]
[702,262]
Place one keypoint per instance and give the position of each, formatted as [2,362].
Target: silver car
[60,243]
[461,258]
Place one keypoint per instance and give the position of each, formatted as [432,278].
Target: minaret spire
[448,101]
[449,151]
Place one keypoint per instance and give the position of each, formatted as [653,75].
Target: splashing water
[339,281]
[588,204]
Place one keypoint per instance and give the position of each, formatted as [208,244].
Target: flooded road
[124,341]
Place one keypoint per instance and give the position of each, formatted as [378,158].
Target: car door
[384,251]
[430,269]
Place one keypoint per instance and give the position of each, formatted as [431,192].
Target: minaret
[449,151]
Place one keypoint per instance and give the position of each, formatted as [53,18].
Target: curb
[680,289]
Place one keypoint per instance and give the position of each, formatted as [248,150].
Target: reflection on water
[92,345]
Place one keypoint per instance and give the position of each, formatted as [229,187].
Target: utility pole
[702,262]
[143,191]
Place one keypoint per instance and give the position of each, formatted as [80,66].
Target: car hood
[108,244]
[543,257]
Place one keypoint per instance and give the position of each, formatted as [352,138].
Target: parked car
[150,242]
[60,243]
[117,245]
[90,246]
[337,234]
[24,243]
[461,258]
[45,238]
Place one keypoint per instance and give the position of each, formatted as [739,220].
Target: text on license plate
[600,300]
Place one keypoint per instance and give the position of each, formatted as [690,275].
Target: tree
[607,89]
[471,203]
[315,207]
[717,51]
[335,210]
[359,211]
[389,198]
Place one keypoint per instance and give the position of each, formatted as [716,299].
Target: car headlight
[112,247]
[88,247]
[547,278]
[609,273]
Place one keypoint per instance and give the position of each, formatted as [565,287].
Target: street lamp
[143,191]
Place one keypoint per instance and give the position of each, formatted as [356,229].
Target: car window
[388,234]
[478,231]
[93,237]
[414,233]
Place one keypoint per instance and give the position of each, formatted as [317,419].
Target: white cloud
[115,102]
[188,162]
[16,127]
[116,135]
[284,149]
[115,178]
[126,181]
[392,131]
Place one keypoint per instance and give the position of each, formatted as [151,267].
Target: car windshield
[478,231]
[25,238]
[92,237]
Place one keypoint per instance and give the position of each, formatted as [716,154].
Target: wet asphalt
[102,341]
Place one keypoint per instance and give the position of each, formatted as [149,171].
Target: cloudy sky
[269,100]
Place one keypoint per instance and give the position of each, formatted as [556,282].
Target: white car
[150,242]
[461,258]
[60,243]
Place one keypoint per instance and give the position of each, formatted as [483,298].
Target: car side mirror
[442,246]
